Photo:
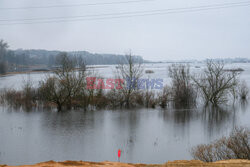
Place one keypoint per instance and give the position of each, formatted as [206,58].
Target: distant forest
[24,60]
[44,57]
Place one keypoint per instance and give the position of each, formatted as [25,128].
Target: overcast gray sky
[220,33]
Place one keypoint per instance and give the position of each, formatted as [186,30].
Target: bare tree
[183,92]
[216,84]
[66,83]
[131,71]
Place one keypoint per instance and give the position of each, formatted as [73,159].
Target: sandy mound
[181,163]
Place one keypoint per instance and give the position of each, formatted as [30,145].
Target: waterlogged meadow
[145,134]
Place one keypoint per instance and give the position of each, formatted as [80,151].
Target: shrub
[146,98]
[19,98]
[115,98]
[183,92]
[236,146]
[163,97]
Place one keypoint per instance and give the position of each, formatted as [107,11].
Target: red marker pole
[119,155]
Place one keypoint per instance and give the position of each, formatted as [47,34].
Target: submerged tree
[183,92]
[130,72]
[66,83]
[216,84]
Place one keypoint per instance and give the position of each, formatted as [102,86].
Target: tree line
[21,60]
[66,87]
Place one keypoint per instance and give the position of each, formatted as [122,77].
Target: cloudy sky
[174,35]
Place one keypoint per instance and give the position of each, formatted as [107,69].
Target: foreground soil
[195,163]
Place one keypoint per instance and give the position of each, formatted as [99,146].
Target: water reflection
[213,119]
[216,118]
[244,105]
[144,135]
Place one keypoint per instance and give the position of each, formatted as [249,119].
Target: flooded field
[143,135]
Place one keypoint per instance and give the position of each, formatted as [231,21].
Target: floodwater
[143,135]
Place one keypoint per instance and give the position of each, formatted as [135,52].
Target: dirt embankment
[192,163]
